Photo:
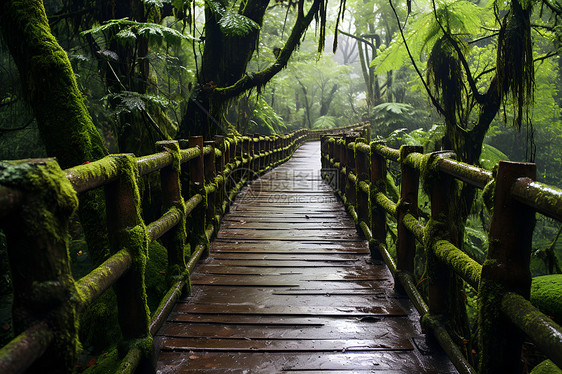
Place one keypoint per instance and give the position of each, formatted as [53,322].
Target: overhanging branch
[358,38]
[262,77]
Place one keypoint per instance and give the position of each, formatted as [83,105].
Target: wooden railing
[37,199]
[361,129]
[357,170]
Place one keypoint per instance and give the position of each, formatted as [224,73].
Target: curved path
[290,287]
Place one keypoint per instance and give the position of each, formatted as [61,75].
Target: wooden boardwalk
[290,287]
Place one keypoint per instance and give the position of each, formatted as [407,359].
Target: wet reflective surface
[290,286]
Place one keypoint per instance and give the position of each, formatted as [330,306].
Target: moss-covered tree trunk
[225,59]
[64,123]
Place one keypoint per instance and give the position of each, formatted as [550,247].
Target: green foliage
[231,22]
[130,101]
[234,24]
[460,17]
[490,156]
[158,3]
[127,31]
[324,122]
[387,117]
[264,120]
[428,139]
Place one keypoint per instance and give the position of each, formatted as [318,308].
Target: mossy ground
[546,294]
[546,367]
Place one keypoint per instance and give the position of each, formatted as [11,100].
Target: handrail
[358,174]
[198,179]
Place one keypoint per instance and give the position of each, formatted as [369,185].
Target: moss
[458,260]
[156,274]
[38,251]
[99,325]
[546,294]
[546,367]
[488,314]
[105,364]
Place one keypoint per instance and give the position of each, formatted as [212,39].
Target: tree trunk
[65,125]
[225,59]
[224,62]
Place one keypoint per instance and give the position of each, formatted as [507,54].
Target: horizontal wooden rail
[360,180]
[210,173]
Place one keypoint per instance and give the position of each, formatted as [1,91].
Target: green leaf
[158,3]
[110,55]
[324,122]
[129,30]
[234,24]
[126,35]
[490,156]
[216,8]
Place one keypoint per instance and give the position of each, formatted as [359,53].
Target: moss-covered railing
[361,129]
[358,171]
[198,180]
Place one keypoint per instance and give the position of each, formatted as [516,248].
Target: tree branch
[22,127]
[262,77]
[432,98]
[358,38]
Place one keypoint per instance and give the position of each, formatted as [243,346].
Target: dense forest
[82,79]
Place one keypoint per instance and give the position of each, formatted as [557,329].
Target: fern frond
[234,24]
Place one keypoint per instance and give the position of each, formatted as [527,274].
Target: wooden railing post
[406,246]
[342,151]
[255,146]
[505,269]
[350,186]
[363,174]
[174,239]
[197,220]
[127,231]
[324,151]
[210,186]
[378,185]
[267,150]
[247,146]
[440,277]
[220,163]
[37,238]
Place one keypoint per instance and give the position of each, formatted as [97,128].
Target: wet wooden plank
[289,287]
[296,247]
[349,273]
[387,362]
[346,329]
[387,309]
[222,320]
[289,235]
[257,224]
[279,264]
[285,296]
[337,257]
[278,345]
